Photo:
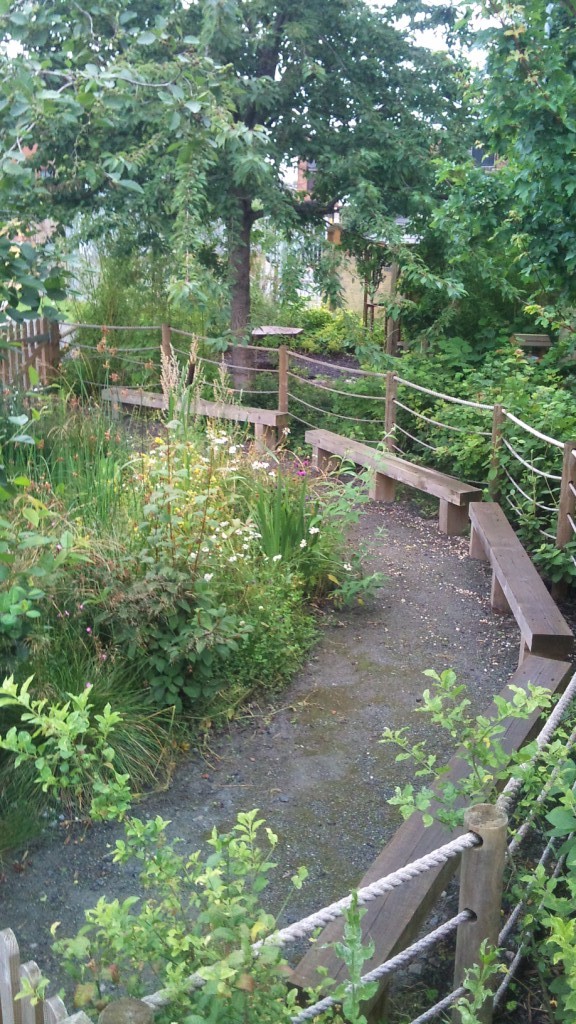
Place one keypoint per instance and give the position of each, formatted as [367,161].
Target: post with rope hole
[390,414]
[494,479]
[166,343]
[481,883]
[283,357]
[54,349]
[127,1011]
[566,508]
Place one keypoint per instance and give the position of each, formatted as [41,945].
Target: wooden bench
[393,921]
[388,469]
[516,584]
[266,422]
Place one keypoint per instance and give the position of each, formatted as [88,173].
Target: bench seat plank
[266,421]
[388,469]
[394,920]
[517,583]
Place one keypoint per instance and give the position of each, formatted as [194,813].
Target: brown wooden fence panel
[31,343]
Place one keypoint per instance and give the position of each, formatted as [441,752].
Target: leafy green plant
[556,564]
[193,929]
[353,992]
[71,750]
[548,925]
[479,745]
[479,982]
[33,555]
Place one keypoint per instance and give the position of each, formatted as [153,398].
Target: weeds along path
[312,763]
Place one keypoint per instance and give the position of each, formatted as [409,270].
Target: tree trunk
[239,236]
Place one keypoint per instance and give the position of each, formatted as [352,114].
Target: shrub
[193,929]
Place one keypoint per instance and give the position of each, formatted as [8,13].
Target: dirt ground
[311,763]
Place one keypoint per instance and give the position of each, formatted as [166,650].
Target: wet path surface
[312,764]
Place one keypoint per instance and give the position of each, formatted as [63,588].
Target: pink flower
[88,629]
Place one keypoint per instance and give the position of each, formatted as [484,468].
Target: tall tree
[515,226]
[188,115]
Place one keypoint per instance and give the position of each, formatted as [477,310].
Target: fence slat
[54,1011]
[9,977]
[31,1014]
[31,343]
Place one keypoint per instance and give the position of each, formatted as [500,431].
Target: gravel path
[312,764]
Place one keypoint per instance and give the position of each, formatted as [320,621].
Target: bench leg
[524,650]
[498,601]
[382,488]
[477,547]
[323,460]
[264,437]
[453,519]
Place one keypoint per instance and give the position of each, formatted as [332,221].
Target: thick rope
[447,398]
[110,327]
[396,963]
[336,415]
[435,859]
[522,832]
[299,419]
[520,954]
[412,437]
[445,426]
[335,391]
[246,369]
[532,430]
[439,1008]
[529,465]
[508,795]
[536,504]
[331,367]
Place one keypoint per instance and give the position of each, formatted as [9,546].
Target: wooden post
[127,1011]
[494,483]
[564,531]
[283,378]
[481,881]
[54,332]
[166,343]
[390,415]
[393,326]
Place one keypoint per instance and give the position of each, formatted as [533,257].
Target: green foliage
[36,545]
[504,235]
[174,571]
[70,748]
[556,564]
[479,745]
[352,993]
[193,928]
[479,984]
[29,283]
[183,121]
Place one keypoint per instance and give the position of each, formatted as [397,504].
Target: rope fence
[564,493]
[517,464]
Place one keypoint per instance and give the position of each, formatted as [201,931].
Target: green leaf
[131,185]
